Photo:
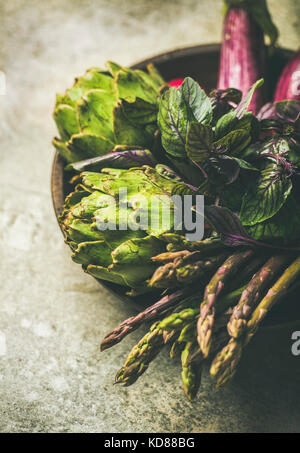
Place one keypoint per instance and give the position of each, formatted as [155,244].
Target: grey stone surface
[53,316]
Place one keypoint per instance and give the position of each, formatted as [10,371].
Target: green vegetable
[107,108]
[115,239]
[266,196]
[177,110]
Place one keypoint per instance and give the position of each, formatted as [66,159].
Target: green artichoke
[120,254]
[107,108]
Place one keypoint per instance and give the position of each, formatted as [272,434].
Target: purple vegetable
[242,60]
[232,232]
[288,86]
[117,159]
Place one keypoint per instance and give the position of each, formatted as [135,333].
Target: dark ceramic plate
[200,63]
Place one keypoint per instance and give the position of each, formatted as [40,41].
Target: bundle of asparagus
[221,327]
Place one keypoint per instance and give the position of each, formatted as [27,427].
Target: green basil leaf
[294,155]
[177,109]
[199,141]
[225,124]
[196,101]
[231,195]
[275,146]
[229,123]
[283,226]
[244,164]
[234,142]
[266,196]
[243,106]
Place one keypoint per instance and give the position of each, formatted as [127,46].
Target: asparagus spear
[142,355]
[164,305]
[247,272]
[160,333]
[192,358]
[191,372]
[278,290]
[180,319]
[129,325]
[252,293]
[225,363]
[176,349]
[184,269]
[219,340]
[176,242]
[212,291]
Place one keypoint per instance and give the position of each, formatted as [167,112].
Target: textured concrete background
[53,316]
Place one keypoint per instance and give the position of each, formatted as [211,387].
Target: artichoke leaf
[102,273]
[78,231]
[94,78]
[131,85]
[89,145]
[126,275]
[112,67]
[66,121]
[138,250]
[62,149]
[94,112]
[127,133]
[133,274]
[139,111]
[95,252]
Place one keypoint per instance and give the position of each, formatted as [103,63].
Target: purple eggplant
[242,60]
[288,86]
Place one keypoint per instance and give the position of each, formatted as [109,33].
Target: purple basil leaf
[226,166]
[283,111]
[119,159]
[228,225]
[230,95]
[223,101]
[224,221]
